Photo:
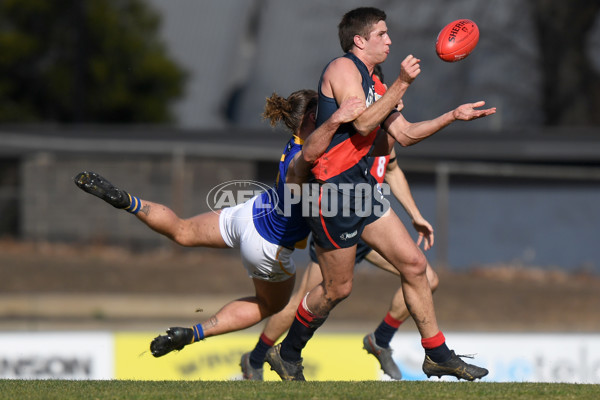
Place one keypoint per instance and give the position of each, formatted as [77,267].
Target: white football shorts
[262,259]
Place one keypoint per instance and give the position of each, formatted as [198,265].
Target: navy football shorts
[362,249]
[342,216]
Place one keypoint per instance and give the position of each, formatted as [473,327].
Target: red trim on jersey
[380,177]
[378,86]
[380,89]
[346,154]
[343,156]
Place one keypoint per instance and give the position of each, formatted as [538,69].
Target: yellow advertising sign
[326,357]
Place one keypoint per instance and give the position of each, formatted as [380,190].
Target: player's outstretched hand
[468,111]
[425,230]
[409,69]
[350,109]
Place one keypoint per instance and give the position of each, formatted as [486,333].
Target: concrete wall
[543,222]
[55,209]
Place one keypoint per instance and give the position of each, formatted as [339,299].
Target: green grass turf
[225,390]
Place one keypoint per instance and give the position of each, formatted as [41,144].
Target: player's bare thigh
[203,230]
[378,261]
[388,236]
[273,296]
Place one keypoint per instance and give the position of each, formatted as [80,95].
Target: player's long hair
[290,111]
[358,22]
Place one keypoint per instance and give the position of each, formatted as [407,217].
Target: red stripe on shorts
[323,221]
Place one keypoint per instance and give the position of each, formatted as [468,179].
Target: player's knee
[182,239]
[183,235]
[338,291]
[416,267]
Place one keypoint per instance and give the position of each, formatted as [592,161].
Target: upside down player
[266,240]
[364,37]
[377,342]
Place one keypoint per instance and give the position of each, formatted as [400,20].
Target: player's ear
[359,41]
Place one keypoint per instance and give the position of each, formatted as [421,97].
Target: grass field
[225,390]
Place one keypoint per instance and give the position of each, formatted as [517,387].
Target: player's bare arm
[401,190]
[317,142]
[407,133]
[409,70]
[342,80]
[378,112]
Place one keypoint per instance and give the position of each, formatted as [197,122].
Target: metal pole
[442,192]
[178,184]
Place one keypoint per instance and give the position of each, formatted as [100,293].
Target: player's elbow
[401,131]
[183,234]
[309,157]
[362,129]
[403,138]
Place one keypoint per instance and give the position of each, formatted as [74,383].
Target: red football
[457,40]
